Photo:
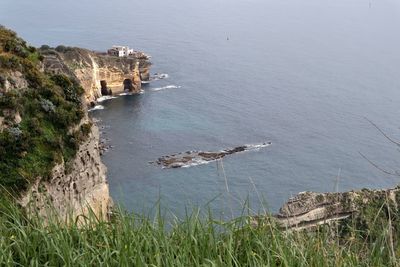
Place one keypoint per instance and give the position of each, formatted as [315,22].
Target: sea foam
[104,98]
[165,87]
[97,107]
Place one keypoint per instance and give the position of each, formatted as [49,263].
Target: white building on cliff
[120,51]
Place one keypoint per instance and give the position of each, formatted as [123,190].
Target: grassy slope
[130,240]
[49,107]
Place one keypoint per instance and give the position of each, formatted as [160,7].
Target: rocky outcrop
[12,80]
[308,209]
[193,158]
[8,81]
[90,68]
[9,117]
[74,189]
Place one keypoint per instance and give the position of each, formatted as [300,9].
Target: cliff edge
[75,188]
[49,147]
[94,70]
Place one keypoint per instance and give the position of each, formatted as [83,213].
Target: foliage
[50,107]
[63,49]
[72,90]
[45,47]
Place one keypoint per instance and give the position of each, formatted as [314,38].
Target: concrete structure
[120,51]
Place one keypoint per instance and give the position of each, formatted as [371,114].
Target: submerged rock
[193,158]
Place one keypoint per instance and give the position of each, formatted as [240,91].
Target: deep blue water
[301,74]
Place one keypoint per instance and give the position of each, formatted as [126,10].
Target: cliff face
[49,147]
[74,188]
[91,68]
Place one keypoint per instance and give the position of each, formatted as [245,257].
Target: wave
[165,87]
[97,107]
[256,146]
[104,98]
[131,93]
[197,162]
[124,94]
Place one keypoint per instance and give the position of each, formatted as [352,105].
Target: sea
[319,79]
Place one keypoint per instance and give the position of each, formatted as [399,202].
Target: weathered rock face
[9,81]
[75,189]
[43,124]
[13,80]
[91,68]
[10,117]
[309,209]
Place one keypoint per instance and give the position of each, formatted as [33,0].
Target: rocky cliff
[307,210]
[49,147]
[91,68]
[74,188]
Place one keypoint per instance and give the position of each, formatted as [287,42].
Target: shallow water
[301,74]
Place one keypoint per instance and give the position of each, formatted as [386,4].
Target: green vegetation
[49,106]
[197,240]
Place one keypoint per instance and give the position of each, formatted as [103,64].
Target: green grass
[197,240]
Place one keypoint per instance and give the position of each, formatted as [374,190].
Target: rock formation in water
[192,158]
[91,68]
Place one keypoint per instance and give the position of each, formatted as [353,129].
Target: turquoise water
[301,74]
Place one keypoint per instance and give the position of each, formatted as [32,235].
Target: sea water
[304,75]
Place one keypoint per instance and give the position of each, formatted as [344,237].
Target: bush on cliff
[49,107]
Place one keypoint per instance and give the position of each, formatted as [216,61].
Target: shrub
[15,132]
[32,49]
[47,105]
[44,47]
[10,62]
[61,48]
[72,90]
[34,126]
[16,46]
[61,80]
[9,100]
